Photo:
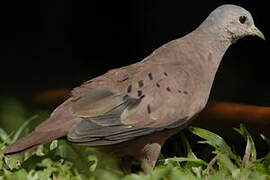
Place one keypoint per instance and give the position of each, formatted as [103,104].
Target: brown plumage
[131,111]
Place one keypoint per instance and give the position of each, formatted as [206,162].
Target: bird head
[232,22]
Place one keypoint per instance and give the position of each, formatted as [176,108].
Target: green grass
[61,160]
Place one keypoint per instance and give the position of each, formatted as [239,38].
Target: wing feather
[154,103]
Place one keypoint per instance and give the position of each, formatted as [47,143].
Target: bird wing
[127,105]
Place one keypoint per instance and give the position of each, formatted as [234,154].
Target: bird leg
[150,156]
[126,164]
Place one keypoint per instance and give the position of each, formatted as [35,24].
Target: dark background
[60,44]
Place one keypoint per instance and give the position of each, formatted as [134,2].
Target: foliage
[60,160]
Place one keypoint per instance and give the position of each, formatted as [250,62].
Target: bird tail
[57,126]
[31,140]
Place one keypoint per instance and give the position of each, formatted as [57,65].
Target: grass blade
[250,152]
[214,140]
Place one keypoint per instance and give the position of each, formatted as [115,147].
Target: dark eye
[242,19]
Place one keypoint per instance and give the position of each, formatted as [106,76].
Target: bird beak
[256,32]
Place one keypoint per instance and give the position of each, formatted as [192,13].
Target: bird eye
[242,19]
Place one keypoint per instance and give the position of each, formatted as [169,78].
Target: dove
[131,111]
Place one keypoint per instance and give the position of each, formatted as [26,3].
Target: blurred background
[60,44]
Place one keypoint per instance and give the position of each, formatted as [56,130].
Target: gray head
[232,22]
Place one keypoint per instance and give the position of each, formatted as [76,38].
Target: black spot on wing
[166,74]
[150,76]
[168,89]
[140,83]
[129,89]
[148,108]
[139,93]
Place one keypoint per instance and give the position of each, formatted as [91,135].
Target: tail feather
[57,126]
[31,140]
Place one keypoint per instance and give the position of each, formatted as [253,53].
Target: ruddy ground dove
[131,111]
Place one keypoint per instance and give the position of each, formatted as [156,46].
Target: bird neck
[211,44]
[218,39]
